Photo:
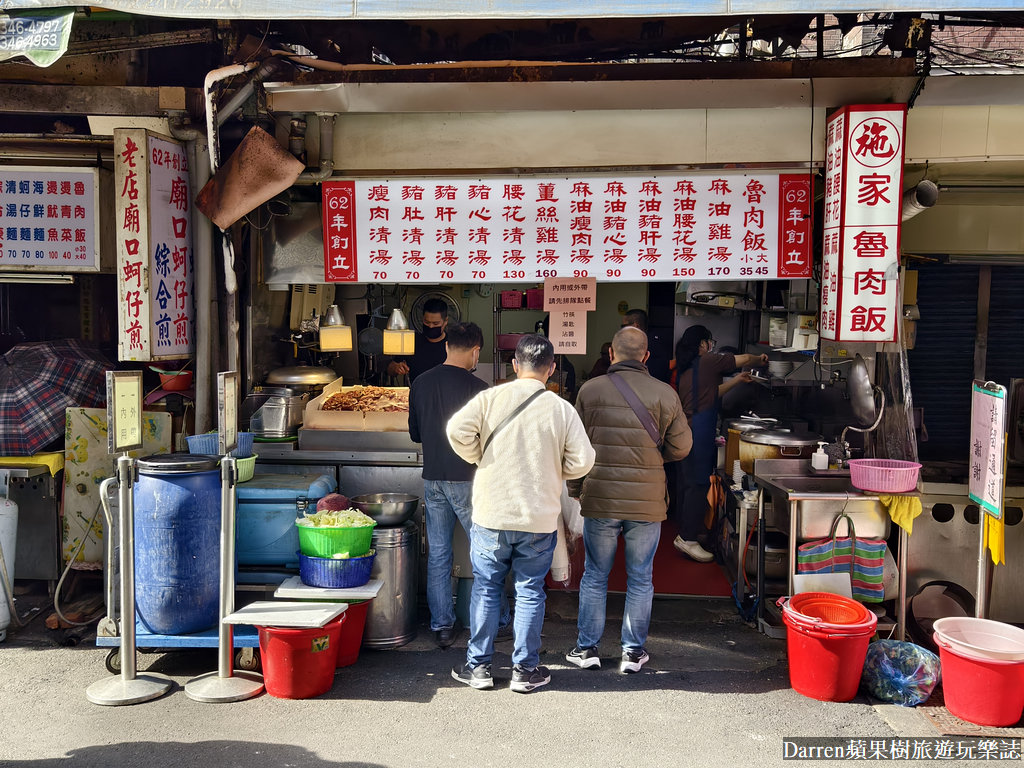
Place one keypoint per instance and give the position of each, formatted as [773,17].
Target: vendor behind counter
[429,343]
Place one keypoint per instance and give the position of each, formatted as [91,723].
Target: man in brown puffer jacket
[624,493]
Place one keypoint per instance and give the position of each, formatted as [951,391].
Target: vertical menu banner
[153,209]
[863,189]
[988,446]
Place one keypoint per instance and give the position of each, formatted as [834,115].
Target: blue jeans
[447,502]
[494,554]
[601,539]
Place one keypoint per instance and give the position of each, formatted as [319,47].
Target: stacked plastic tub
[827,640]
[982,669]
[207,443]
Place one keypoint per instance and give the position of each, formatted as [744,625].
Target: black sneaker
[584,658]
[632,661]
[525,680]
[475,677]
[504,633]
[445,636]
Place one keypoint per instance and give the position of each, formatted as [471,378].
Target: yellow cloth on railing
[995,528]
[53,461]
[902,509]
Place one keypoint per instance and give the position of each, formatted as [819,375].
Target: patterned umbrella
[38,382]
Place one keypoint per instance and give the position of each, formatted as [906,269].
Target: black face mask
[433,332]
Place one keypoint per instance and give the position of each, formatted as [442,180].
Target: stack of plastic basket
[245,459]
[335,557]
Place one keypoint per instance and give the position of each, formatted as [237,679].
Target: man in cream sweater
[523,455]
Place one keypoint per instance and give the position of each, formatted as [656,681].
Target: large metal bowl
[386,508]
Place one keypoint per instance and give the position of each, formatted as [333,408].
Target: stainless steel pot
[276,412]
[774,444]
[734,429]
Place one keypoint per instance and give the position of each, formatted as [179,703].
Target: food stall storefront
[675,211]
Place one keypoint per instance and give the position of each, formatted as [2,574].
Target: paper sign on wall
[568,332]
[570,294]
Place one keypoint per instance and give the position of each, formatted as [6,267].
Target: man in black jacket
[447,480]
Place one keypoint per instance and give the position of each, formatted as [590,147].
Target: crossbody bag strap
[505,422]
[638,408]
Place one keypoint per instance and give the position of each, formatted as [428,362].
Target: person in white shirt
[526,442]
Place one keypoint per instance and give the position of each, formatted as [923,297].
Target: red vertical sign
[339,202]
[794,227]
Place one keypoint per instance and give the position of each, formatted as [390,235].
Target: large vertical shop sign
[154,247]
[623,227]
[49,219]
[860,252]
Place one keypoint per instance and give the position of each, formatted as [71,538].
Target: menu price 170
[621,228]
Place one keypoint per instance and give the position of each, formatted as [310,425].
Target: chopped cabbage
[347,518]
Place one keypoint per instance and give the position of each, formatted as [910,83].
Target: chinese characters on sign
[154,247]
[860,252]
[48,219]
[988,444]
[568,300]
[622,228]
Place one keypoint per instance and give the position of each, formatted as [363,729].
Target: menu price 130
[613,228]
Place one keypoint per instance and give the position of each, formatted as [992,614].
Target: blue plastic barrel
[177,543]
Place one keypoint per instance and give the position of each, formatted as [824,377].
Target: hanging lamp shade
[398,338]
[335,336]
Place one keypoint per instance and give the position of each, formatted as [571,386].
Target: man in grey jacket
[625,493]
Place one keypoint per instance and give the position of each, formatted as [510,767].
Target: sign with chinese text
[988,446]
[563,294]
[568,332]
[227,412]
[124,411]
[49,219]
[612,228]
[154,247]
[861,238]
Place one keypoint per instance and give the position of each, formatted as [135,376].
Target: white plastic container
[819,459]
[8,539]
[981,638]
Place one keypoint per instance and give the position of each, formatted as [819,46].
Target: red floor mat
[674,574]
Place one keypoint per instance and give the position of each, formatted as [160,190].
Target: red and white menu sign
[863,189]
[154,247]
[48,219]
[703,226]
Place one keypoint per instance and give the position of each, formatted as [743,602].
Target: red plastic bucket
[299,663]
[981,691]
[826,660]
[352,633]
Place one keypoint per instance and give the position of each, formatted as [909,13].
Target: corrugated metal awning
[500,9]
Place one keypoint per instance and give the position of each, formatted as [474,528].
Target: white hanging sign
[627,227]
[153,204]
[860,253]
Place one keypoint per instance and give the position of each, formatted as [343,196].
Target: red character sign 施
[339,198]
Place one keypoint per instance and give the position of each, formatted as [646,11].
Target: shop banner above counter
[626,227]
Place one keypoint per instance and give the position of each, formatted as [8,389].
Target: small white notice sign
[988,446]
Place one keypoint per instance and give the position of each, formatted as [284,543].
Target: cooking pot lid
[177,463]
[780,437]
[746,424]
[303,375]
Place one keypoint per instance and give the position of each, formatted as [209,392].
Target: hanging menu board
[48,219]
[703,226]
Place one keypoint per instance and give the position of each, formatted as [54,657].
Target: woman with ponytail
[700,370]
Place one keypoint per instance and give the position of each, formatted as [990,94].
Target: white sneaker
[632,661]
[693,550]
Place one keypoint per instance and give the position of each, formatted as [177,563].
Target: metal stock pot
[774,444]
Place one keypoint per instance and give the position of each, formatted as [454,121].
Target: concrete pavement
[715,693]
